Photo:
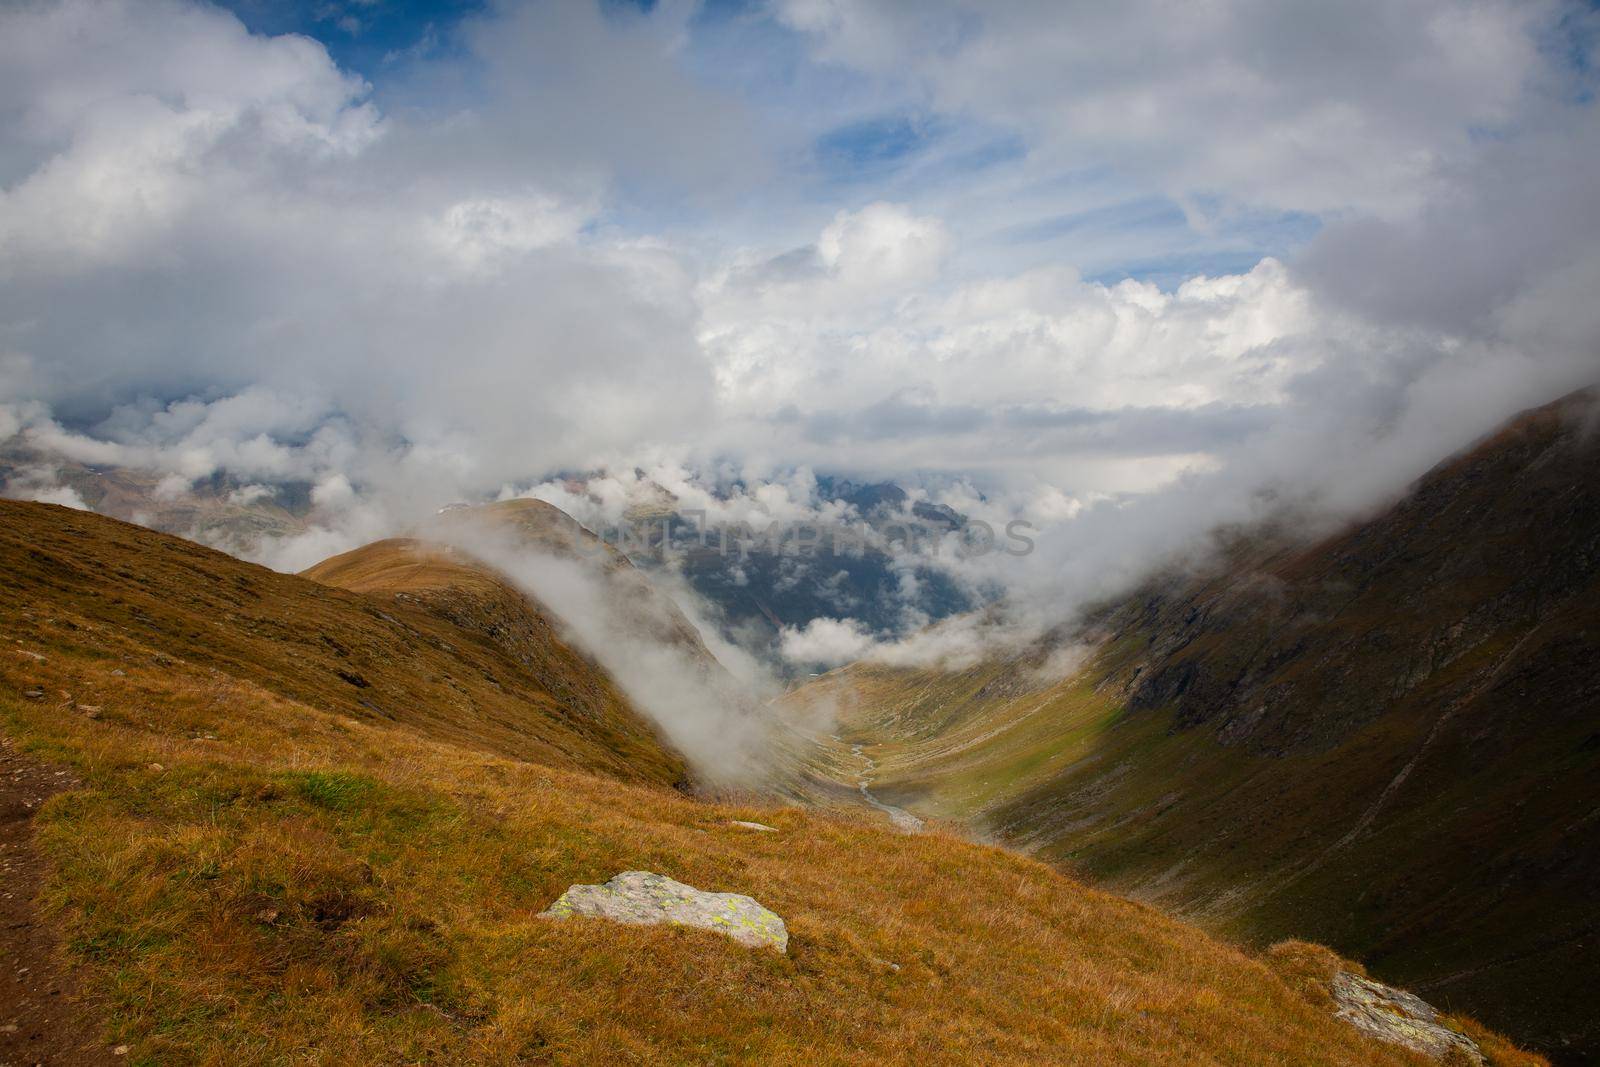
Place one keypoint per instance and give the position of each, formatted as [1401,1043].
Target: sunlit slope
[1386,741]
[256,866]
[345,653]
[459,589]
[946,745]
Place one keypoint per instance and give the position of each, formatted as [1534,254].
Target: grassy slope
[382,661]
[452,586]
[260,869]
[1385,742]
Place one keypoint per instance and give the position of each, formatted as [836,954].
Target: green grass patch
[334,790]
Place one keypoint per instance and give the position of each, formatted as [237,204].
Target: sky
[1127,270]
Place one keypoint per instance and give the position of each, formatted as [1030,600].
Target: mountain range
[297,814]
[370,776]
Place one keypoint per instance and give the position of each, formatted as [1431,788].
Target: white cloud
[824,641]
[882,246]
[64,495]
[246,495]
[334,492]
[131,113]
[171,487]
[1323,109]
[482,233]
[41,483]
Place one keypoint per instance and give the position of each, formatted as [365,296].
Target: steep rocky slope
[1386,741]
[307,823]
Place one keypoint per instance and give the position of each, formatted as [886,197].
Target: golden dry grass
[250,875]
[479,670]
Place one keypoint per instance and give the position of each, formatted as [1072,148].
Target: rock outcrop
[1401,1018]
[645,899]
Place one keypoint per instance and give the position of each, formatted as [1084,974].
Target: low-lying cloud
[716,720]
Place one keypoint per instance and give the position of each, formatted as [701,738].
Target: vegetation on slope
[1385,741]
[390,661]
[259,868]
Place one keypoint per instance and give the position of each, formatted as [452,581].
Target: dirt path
[40,1021]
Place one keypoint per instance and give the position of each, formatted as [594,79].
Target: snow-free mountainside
[1384,741]
[314,823]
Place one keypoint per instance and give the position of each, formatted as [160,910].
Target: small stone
[157,767]
[642,898]
[34,692]
[120,1050]
[758,826]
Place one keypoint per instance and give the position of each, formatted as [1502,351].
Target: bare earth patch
[41,1021]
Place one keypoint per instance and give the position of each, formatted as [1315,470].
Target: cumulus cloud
[130,114]
[484,233]
[824,641]
[243,221]
[1355,106]
[882,245]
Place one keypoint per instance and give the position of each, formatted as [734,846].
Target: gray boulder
[645,899]
[1396,1016]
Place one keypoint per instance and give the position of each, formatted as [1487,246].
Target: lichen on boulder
[642,898]
[1401,1018]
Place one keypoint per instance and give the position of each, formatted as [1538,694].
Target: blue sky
[364,37]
